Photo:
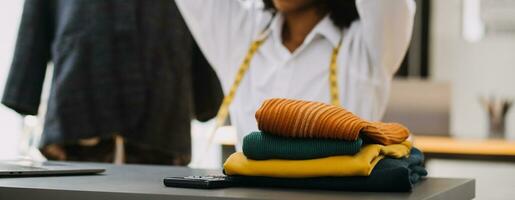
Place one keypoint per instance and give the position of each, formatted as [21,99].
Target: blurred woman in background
[343,52]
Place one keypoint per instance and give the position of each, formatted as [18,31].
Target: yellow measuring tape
[223,112]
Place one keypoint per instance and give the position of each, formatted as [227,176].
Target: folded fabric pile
[314,145]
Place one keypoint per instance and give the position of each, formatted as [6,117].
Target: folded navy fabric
[389,175]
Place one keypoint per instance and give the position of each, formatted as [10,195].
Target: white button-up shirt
[372,50]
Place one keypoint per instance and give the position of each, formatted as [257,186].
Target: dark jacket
[125,66]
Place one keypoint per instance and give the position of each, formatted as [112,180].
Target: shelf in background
[438,146]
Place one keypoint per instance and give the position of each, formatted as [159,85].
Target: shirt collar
[324,28]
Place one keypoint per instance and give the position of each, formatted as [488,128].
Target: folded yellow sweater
[360,164]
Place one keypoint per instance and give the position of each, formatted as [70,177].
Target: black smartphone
[199,182]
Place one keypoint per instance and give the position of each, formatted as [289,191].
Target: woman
[342,52]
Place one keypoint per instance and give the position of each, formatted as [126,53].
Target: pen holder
[496,109]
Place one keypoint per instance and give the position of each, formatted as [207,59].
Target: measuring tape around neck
[223,112]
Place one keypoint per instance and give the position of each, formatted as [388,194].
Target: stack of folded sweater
[314,145]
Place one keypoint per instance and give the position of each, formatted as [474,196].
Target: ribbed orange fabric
[305,119]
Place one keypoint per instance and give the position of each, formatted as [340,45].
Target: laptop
[48,168]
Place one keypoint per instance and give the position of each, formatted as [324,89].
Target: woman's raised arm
[386,30]
[219,27]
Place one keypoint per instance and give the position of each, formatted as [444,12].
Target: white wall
[474,69]
[10,122]
[494,180]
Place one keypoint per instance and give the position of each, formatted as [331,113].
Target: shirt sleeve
[386,30]
[32,53]
[220,28]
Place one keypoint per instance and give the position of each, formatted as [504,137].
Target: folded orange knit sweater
[304,119]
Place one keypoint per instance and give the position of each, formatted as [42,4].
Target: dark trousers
[105,151]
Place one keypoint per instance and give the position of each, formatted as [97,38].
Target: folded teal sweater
[263,146]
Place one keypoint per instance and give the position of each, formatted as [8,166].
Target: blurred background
[11,122]
[459,69]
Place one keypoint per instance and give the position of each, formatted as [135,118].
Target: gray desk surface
[130,182]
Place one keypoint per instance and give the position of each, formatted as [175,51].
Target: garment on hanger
[120,66]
